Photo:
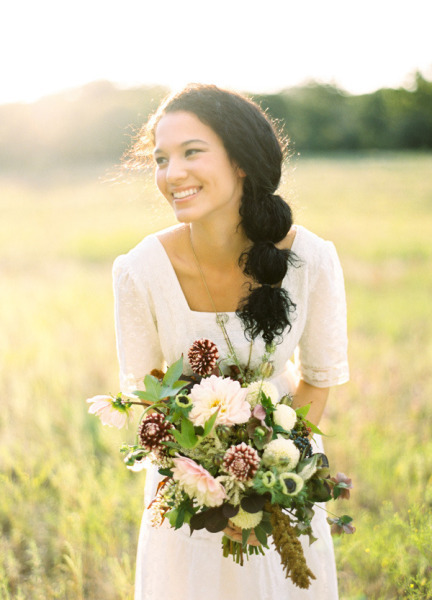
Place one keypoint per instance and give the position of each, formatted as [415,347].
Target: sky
[247,45]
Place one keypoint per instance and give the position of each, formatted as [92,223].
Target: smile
[185,193]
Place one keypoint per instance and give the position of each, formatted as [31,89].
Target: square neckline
[180,292]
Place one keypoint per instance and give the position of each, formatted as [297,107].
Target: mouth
[185,194]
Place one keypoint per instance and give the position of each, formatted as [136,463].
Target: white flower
[220,393]
[281,453]
[291,483]
[285,416]
[110,411]
[254,392]
[246,520]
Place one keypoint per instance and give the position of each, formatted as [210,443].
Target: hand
[235,533]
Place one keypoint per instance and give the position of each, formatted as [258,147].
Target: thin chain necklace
[221,318]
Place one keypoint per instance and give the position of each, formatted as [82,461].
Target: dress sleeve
[321,356]
[138,346]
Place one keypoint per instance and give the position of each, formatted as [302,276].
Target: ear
[240,172]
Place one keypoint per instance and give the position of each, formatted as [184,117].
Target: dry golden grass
[70,511]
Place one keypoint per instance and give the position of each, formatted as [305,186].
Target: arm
[138,345]
[315,396]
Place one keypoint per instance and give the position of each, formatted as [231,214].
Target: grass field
[70,511]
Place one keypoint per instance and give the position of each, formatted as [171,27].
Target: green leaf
[215,520]
[345,520]
[186,437]
[245,536]
[253,503]
[146,396]
[172,517]
[172,390]
[180,517]
[302,411]
[173,373]
[198,521]
[165,472]
[229,510]
[171,445]
[188,431]
[266,526]
[209,424]
[152,387]
[314,428]
[261,535]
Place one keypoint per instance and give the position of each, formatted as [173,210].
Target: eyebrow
[187,142]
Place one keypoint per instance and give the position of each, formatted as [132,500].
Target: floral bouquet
[234,457]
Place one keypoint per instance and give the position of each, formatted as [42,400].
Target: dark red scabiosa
[202,356]
[242,461]
[154,430]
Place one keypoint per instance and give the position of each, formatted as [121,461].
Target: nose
[175,171]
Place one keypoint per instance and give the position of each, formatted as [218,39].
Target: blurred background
[351,85]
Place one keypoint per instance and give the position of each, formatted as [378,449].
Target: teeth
[180,195]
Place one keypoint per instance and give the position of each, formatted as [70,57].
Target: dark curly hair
[252,143]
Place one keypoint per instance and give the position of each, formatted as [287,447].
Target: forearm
[315,396]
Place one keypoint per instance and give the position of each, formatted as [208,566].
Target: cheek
[160,181]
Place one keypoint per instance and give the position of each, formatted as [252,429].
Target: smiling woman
[236,271]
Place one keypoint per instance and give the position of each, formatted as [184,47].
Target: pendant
[222,319]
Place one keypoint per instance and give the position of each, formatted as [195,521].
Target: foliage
[95,123]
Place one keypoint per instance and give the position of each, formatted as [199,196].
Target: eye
[160,160]
[192,151]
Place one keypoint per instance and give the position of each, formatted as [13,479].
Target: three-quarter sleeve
[321,355]
[138,346]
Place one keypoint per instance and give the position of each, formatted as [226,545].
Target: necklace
[221,318]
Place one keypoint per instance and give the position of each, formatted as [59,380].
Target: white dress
[155,326]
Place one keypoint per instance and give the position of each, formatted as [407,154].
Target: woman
[237,271]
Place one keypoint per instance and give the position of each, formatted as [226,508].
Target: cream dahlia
[285,416]
[254,392]
[220,393]
[281,453]
[246,520]
[197,482]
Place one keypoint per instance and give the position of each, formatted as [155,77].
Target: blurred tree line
[95,123]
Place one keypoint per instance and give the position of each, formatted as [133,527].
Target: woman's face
[194,171]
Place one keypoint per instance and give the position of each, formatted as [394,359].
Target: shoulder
[147,259]
[316,253]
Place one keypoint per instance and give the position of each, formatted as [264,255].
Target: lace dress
[154,327]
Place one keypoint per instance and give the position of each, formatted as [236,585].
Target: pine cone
[202,357]
[153,431]
[241,461]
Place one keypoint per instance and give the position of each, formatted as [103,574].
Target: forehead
[177,128]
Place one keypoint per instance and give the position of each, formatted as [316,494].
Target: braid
[266,309]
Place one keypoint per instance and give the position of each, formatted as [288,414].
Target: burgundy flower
[241,461]
[341,525]
[202,356]
[153,431]
[342,491]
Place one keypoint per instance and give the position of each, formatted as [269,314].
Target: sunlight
[234,44]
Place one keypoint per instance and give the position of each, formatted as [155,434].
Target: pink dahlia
[197,482]
[111,411]
[221,393]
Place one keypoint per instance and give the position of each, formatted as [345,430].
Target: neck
[218,245]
